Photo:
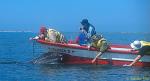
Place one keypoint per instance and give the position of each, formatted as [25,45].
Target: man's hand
[89,47]
[127,65]
[35,38]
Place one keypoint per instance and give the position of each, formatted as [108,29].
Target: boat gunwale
[92,48]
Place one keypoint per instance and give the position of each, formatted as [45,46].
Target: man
[100,43]
[88,28]
[87,31]
[55,36]
[50,35]
[42,34]
[143,47]
[82,39]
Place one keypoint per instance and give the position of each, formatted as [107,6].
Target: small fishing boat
[115,55]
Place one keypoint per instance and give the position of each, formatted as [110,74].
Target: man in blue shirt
[87,31]
[89,28]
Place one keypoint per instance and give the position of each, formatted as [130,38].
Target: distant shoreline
[15,31]
[77,32]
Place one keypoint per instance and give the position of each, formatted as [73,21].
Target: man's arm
[135,60]
[89,32]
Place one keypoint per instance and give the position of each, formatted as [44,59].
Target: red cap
[43,29]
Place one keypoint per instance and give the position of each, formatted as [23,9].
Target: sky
[66,15]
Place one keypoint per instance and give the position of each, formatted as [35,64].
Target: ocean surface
[16,54]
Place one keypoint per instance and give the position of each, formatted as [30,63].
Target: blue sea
[16,54]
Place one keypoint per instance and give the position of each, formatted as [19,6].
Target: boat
[116,54]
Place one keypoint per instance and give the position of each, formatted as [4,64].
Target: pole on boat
[99,54]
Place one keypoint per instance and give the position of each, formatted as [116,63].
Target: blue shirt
[83,40]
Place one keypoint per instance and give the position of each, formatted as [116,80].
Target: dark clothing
[90,29]
[86,27]
[85,37]
[144,50]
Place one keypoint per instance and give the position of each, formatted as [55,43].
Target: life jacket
[145,50]
[99,43]
[144,43]
[55,36]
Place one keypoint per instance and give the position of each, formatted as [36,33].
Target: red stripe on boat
[92,49]
[68,59]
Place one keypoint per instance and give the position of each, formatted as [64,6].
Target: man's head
[43,30]
[136,45]
[84,22]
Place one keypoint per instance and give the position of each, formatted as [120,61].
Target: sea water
[16,53]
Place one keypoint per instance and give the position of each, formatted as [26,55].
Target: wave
[9,61]
[15,31]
